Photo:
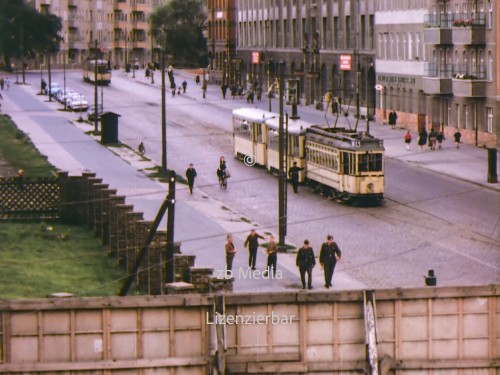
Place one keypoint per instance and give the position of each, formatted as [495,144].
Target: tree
[178,26]
[24,32]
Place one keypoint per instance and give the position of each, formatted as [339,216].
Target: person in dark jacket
[190,175]
[457,137]
[230,252]
[293,173]
[422,139]
[329,256]
[272,257]
[252,242]
[306,262]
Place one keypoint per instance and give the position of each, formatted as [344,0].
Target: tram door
[258,144]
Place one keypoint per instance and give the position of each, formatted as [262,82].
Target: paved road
[429,220]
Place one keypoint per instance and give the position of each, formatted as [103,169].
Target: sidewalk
[469,163]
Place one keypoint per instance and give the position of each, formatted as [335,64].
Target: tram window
[363,162]
[376,162]
[257,132]
[293,145]
[352,162]
[242,129]
[370,162]
[272,139]
[345,163]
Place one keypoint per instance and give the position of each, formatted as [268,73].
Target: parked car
[62,95]
[70,96]
[78,103]
[54,88]
[91,112]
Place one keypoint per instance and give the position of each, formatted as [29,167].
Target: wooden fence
[23,198]
[418,331]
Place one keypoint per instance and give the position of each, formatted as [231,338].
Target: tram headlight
[370,187]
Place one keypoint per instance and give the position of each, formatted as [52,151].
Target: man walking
[272,257]
[457,137]
[293,173]
[329,256]
[230,252]
[253,245]
[305,261]
[190,175]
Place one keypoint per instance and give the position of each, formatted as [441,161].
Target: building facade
[221,41]
[327,45]
[119,26]
[461,71]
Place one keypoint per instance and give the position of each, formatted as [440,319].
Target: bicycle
[223,176]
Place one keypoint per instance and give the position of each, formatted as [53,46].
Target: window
[489,120]
[466,116]
[489,71]
[242,128]
[347,32]
[370,162]
[335,32]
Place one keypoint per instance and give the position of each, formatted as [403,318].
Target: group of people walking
[434,139]
[330,254]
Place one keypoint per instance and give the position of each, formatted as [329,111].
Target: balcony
[121,5]
[437,79]
[437,36]
[73,3]
[472,84]
[469,88]
[469,29]
[119,43]
[120,24]
[469,35]
[141,44]
[140,6]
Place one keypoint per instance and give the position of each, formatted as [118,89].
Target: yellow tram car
[250,135]
[344,164]
[295,144]
[103,76]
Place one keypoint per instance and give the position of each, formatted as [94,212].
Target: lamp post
[282,168]
[96,126]
[269,86]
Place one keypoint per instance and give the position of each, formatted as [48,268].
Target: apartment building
[221,41]
[461,71]
[119,26]
[327,45]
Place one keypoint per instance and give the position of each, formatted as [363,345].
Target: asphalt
[202,224]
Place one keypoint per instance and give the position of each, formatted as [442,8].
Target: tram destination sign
[401,80]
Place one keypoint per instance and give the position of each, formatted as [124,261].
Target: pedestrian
[2,83]
[7,83]
[432,139]
[190,175]
[422,139]
[457,137]
[306,262]
[197,80]
[440,139]
[252,242]
[230,252]
[393,117]
[329,256]
[259,93]
[146,72]
[223,88]
[173,87]
[293,173]
[184,86]
[43,86]
[408,140]
[272,256]
[204,88]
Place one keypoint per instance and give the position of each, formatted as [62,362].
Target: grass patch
[18,151]
[42,258]
[163,176]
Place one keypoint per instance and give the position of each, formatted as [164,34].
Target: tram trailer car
[250,134]
[103,73]
[344,164]
[295,145]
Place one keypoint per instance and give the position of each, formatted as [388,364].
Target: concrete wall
[419,331]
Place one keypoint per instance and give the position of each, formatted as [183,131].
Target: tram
[250,135]
[103,73]
[340,163]
[344,164]
[295,144]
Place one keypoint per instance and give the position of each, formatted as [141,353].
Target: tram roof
[253,114]
[345,138]
[295,126]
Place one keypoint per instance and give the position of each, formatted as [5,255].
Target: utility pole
[96,126]
[170,272]
[50,78]
[163,110]
[282,171]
